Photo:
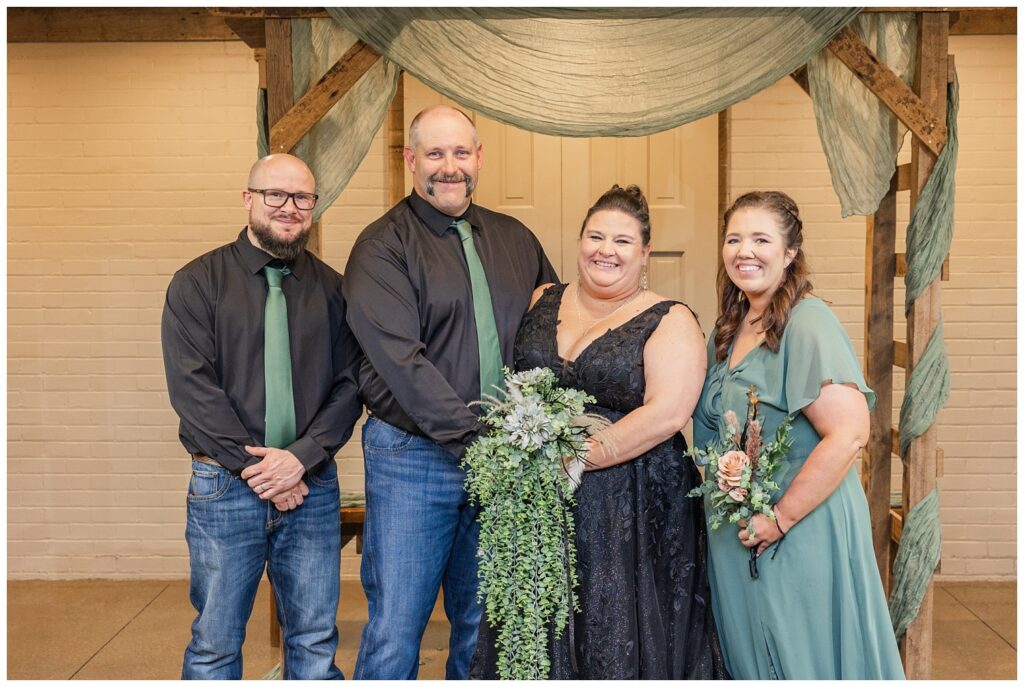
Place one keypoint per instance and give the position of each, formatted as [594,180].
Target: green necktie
[277,363]
[486,328]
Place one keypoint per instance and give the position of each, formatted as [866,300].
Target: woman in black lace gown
[643,592]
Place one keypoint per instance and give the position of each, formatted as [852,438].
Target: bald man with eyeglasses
[261,370]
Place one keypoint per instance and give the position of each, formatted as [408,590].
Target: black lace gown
[644,599]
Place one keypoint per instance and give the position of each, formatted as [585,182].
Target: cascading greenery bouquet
[523,473]
[739,476]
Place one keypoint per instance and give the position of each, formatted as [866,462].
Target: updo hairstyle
[629,200]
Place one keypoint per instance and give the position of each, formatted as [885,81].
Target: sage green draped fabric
[918,554]
[596,72]
[929,237]
[927,391]
[859,133]
[337,143]
[930,232]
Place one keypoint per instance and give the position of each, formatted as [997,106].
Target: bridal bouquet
[739,477]
[523,473]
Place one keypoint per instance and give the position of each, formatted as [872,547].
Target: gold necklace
[579,316]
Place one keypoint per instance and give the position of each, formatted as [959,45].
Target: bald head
[439,113]
[280,166]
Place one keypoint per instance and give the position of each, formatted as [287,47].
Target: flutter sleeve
[815,351]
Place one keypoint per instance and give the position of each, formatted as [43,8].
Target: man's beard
[287,250]
[441,178]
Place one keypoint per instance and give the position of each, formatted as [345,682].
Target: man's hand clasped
[277,477]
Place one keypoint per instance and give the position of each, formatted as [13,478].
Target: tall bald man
[436,289]
[261,369]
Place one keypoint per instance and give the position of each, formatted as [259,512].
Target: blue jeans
[420,534]
[231,536]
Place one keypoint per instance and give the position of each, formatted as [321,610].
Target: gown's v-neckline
[565,361]
[729,367]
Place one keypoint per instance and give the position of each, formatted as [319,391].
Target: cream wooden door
[549,183]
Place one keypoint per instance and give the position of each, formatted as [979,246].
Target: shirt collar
[437,221]
[256,259]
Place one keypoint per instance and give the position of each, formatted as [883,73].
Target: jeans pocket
[326,476]
[380,436]
[208,483]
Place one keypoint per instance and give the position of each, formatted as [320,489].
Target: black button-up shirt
[212,332]
[411,307]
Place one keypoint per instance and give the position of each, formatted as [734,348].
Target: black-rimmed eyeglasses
[276,199]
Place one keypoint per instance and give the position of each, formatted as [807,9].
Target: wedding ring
[259,488]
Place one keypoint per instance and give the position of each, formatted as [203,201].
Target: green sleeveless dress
[817,610]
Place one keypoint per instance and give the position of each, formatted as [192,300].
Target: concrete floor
[106,630]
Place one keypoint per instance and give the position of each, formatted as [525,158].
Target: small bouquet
[739,480]
[523,473]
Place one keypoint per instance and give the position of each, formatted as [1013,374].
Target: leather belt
[206,459]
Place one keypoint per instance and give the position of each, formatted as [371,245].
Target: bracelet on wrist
[777,525]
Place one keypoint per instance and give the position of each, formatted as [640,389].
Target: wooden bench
[352,513]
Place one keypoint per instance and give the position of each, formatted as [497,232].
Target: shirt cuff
[458,448]
[309,453]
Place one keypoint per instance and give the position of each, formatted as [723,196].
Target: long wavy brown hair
[733,304]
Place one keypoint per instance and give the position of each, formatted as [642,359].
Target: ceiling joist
[91,24]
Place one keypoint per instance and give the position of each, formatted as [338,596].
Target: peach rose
[738,494]
[730,469]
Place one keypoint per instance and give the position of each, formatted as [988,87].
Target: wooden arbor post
[922,464]
[923,110]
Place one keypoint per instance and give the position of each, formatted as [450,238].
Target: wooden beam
[1000,21]
[280,94]
[395,136]
[903,177]
[899,354]
[895,525]
[920,470]
[84,25]
[289,129]
[890,89]
[269,12]
[876,468]
[895,438]
[800,76]
[250,31]
[901,267]
[724,189]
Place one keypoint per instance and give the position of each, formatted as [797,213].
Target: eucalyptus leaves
[527,537]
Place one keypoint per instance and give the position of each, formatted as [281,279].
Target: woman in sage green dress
[817,609]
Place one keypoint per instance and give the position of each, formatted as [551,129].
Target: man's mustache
[445,179]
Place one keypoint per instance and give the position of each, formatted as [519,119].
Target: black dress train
[641,549]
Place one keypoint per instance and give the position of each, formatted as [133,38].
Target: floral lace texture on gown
[643,592]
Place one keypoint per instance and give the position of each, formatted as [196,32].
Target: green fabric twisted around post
[928,241]
[918,554]
[930,231]
[927,391]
